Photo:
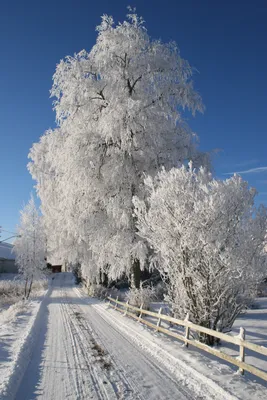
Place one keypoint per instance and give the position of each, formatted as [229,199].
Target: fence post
[159,320]
[242,335]
[116,303]
[126,308]
[140,315]
[187,330]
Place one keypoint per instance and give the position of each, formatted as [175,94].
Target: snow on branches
[210,241]
[119,112]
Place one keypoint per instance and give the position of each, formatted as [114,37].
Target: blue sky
[224,40]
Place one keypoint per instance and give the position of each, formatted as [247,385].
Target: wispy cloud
[247,163]
[248,171]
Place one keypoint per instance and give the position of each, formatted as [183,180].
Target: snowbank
[19,326]
[255,323]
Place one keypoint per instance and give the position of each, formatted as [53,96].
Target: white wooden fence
[239,340]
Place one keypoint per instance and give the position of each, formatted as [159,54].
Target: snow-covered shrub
[39,286]
[30,246]
[97,291]
[114,293]
[11,291]
[102,292]
[210,242]
[144,296]
[10,311]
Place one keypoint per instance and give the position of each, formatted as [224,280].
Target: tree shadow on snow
[29,387]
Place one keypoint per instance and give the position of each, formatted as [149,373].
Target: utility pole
[13,235]
[1,241]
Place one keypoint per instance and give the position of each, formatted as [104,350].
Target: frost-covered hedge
[102,292]
[12,291]
[144,296]
[209,241]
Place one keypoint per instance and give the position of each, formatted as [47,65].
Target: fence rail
[189,326]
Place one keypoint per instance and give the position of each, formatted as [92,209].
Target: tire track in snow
[121,387]
[119,382]
[137,367]
[158,371]
[79,380]
[82,355]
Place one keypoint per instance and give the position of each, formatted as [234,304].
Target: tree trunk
[204,337]
[25,288]
[136,274]
[207,339]
[105,279]
[30,288]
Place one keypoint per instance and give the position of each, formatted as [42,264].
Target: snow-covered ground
[191,363]
[75,347]
[18,331]
[255,323]
[81,354]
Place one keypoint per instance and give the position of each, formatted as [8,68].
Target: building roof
[6,251]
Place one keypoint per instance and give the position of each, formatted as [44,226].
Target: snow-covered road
[79,354]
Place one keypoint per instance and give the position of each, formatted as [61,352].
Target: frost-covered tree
[47,168]
[210,241]
[119,113]
[30,246]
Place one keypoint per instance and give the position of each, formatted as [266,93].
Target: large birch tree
[119,110]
